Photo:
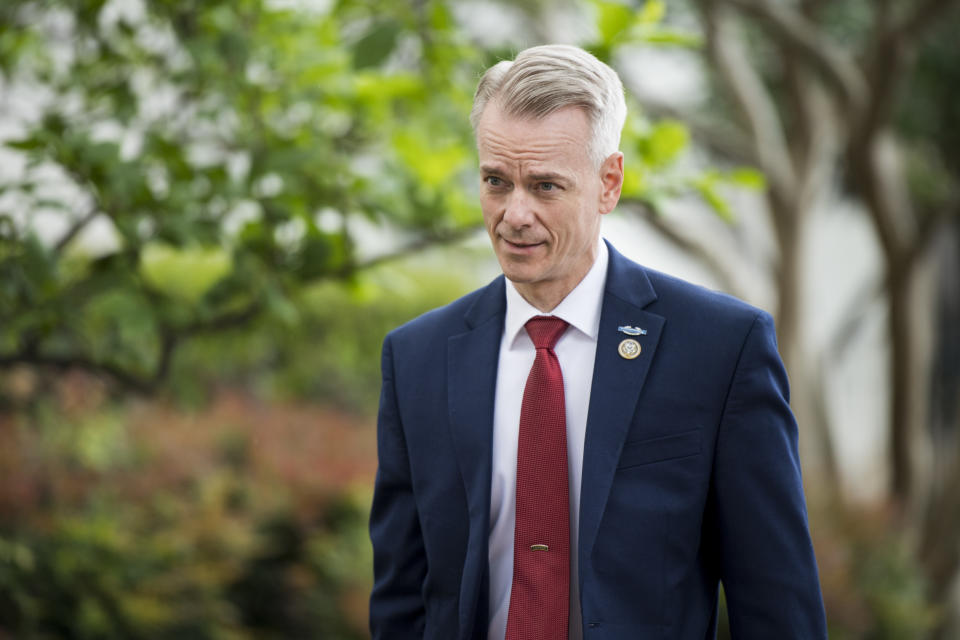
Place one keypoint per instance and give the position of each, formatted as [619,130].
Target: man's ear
[611,178]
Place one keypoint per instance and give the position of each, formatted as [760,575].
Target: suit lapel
[472,359]
[616,386]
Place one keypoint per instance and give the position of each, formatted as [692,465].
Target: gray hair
[544,79]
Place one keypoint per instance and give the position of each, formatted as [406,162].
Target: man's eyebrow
[548,176]
[544,176]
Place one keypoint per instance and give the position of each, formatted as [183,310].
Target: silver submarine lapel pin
[632,331]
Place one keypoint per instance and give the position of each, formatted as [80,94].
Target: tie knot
[545,330]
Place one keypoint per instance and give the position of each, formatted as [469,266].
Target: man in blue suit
[678,466]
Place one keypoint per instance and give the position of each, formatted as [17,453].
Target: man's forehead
[505,134]
[545,162]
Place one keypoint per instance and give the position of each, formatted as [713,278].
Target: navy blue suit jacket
[690,472]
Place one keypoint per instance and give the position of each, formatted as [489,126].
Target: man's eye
[493,181]
[548,186]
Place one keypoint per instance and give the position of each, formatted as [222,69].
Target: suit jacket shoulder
[675,295]
[458,316]
[691,310]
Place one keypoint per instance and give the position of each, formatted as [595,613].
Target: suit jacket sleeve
[399,561]
[766,557]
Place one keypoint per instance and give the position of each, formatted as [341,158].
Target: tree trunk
[901,376]
[788,287]
[807,395]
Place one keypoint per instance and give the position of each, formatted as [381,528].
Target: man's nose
[519,209]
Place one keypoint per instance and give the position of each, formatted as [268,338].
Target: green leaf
[464,210]
[374,47]
[432,162]
[707,186]
[281,308]
[652,12]
[634,184]
[613,18]
[27,144]
[670,37]
[665,143]
[100,441]
[184,274]
[372,86]
[748,178]
[118,324]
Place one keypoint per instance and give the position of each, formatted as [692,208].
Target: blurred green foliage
[107,532]
[873,584]
[895,590]
[227,149]
[180,169]
[328,349]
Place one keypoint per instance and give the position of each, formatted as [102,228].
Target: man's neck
[545,296]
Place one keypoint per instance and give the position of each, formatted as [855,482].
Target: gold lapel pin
[629,349]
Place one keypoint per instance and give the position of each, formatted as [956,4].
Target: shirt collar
[580,309]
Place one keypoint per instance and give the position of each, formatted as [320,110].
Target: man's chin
[519,274]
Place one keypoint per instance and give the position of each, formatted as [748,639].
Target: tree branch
[127,379]
[752,98]
[144,384]
[836,66]
[874,167]
[922,17]
[860,308]
[818,378]
[816,129]
[930,224]
[231,320]
[811,8]
[941,525]
[672,234]
[430,239]
[874,155]
[171,337]
[76,228]
[892,49]
[885,75]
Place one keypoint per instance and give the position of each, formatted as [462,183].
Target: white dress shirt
[576,351]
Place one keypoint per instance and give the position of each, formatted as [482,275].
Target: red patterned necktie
[540,596]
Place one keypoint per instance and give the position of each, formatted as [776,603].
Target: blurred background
[212,212]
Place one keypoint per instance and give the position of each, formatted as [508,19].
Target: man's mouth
[521,244]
